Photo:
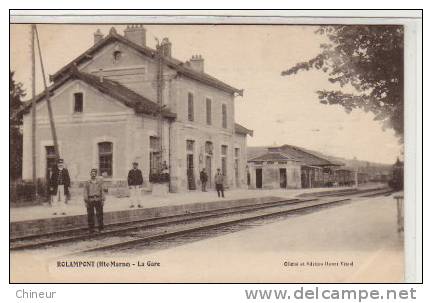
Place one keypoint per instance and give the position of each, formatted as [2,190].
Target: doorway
[258,178]
[208,167]
[283,177]
[190,172]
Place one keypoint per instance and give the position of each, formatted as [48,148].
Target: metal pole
[33,59]
[160,103]
[47,96]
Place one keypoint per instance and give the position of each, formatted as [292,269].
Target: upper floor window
[117,56]
[78,102]
[224,116]
[190,107]
[208,111]
[105,151]
[236,152]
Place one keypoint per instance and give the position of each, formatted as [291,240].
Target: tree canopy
[16,92]
[370,58]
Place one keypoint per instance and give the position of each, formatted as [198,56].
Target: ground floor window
[105,150]
[51,160]
[154,155]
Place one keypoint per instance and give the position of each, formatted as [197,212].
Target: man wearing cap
[219,181]
[59,184]
[135,182]
[94,199]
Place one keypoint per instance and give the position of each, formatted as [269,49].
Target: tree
[370,59]
[16,92]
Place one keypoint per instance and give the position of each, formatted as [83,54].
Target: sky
[280,109]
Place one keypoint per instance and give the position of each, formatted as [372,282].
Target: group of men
[218,179]
[93,191]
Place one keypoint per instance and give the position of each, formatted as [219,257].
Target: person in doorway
[135,182]
[59,184]
[94,199]
[219,181]
[203,179]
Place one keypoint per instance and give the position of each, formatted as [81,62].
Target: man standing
[219,181]
[59,184]
[203,179]
[94,199]
[135,182]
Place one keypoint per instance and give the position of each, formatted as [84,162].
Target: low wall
[34,227]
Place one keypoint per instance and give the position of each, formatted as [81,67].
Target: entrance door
[208,166]
[258,178]
[190,172]
[283,177]
[236,170]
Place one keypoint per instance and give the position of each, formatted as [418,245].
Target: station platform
[30,220]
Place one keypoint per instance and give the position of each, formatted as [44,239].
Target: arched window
[105,154]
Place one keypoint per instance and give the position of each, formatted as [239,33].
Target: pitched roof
[239,129]
[271,156]
[112,88]
[303,156]
[173,63]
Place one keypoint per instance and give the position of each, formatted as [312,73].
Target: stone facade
[105,119]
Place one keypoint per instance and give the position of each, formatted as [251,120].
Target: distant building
[107,115]
[289,166]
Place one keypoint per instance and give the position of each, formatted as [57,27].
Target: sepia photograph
[153,152]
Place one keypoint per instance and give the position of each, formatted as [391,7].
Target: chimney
[166,47]
[197,63]
[98,36]
[136,33]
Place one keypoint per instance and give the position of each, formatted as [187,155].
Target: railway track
[70,235]
[121,235]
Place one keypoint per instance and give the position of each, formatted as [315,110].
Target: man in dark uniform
[59,184]
[94,199]
[135,182]
[203,179]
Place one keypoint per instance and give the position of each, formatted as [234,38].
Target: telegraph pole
[159,86]
[33,60]
[47,96]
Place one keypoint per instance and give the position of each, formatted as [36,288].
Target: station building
[290,166]
[122,101]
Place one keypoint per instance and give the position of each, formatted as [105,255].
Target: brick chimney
[166,47]
[136,33]
[98,36]
[196,63]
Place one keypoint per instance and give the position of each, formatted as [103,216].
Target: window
[224,116]
[117,55]
[190,107]
[236,152]
[154,155]
[208,111]
[51,160]
[78,102]
[105,159]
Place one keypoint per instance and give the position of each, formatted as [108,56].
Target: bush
[24,191]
